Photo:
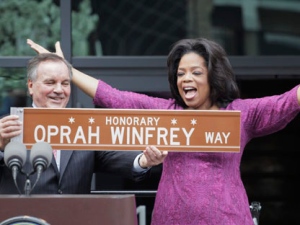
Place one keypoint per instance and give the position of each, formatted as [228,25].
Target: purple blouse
[206,188]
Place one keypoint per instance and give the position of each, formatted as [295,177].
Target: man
[49,84]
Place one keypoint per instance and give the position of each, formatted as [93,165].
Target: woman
[200,188]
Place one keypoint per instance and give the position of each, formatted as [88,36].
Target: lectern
[72,209]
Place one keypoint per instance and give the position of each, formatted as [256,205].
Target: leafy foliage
[20,20]
[39,21]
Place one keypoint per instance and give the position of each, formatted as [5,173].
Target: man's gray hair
[43,57]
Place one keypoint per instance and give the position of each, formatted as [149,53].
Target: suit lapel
[64,160]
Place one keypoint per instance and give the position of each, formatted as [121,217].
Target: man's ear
[29,86]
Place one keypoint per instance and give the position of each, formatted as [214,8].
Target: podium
[72,209]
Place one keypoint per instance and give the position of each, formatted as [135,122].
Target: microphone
[15,158]
[40,158]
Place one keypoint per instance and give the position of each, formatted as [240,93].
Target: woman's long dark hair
[223,86]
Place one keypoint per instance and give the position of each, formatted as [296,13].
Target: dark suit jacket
[75,175]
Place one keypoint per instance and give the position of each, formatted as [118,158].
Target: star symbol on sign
[91,120]
[193,122]
[173,121]
[71,120]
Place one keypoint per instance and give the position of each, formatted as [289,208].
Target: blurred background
[126,42]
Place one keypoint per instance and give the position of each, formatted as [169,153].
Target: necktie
[56,157]
[54,153]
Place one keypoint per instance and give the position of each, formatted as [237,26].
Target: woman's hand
[152,157]
[39,49]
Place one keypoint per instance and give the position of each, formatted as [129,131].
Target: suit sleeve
[120,163]
[2,159]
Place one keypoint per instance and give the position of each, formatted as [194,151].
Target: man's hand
[10,127]
[152,157]
[39,49]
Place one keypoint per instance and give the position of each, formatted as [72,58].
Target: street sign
[131,129]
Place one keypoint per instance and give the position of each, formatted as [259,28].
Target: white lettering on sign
[65,133]
[42,133]
[214,137]
[188,135]
[131,121]
[141,135]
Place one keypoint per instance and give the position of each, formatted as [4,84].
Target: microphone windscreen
[15,150]
[41,150]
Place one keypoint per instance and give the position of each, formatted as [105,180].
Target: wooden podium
[72,209]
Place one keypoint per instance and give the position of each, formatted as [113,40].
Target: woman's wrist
[140,162]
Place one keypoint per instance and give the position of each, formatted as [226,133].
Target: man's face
[52,87]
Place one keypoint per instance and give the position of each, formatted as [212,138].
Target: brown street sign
[131,129]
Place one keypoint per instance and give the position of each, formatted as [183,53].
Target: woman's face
[192,82]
